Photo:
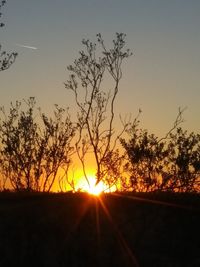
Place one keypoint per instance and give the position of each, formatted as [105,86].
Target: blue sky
[162,75]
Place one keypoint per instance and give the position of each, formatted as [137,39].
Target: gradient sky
[164,36]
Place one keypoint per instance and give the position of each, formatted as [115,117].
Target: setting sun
[91,188]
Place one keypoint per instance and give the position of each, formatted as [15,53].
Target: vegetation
[95,105]
[35,147]
[33,151]
[6,59]
[171,163]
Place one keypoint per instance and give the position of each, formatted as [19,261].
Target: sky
[161,76]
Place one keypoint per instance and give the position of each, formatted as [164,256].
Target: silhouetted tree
[31,152]
[6,59]
[95,104]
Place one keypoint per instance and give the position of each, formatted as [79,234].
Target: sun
[91,188]
[94,189]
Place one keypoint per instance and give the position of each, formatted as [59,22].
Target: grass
[143,229]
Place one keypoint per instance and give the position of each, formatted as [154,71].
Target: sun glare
[91,188]
[95,189]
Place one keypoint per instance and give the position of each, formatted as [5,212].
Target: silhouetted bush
[171,163]
[32,151]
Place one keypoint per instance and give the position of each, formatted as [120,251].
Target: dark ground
[80,230]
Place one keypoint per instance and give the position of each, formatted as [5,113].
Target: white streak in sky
[27,46]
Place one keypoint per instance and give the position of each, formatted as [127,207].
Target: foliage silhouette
[170,163]
[32,152]
[6,59]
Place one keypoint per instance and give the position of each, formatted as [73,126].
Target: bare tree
[6,59]
[95,103]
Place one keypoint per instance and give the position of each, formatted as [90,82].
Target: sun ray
[84,209]
[152,201]
[97,217]
[119,235]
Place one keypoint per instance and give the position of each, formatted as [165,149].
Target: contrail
[27,46]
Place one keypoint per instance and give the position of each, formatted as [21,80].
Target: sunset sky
[162,75]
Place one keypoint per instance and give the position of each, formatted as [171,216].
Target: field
[154,229]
